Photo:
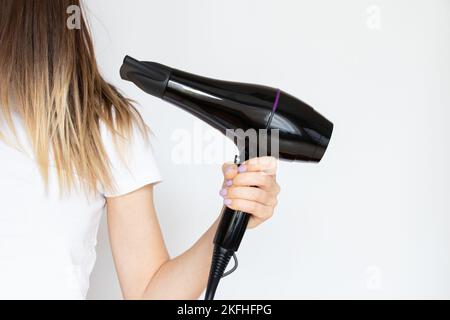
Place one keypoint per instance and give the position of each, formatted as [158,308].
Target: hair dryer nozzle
[151,77]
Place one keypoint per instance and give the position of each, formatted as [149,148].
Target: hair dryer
[302,133]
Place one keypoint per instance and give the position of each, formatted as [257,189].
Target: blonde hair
[50,73]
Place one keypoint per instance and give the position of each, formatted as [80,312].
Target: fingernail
[229,170]
[223,192]
[227,202]
[242,169]
[229,183]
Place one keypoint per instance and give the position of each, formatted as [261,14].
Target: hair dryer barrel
[303,134]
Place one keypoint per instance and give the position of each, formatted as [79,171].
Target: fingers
[252,188]
[256,209]
[250,194]
[230,170]
[268,165]
[257,179]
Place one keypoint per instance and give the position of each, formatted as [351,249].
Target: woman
[71,145]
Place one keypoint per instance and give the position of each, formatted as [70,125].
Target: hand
[252,188]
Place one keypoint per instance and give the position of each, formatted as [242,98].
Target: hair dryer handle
[232,227]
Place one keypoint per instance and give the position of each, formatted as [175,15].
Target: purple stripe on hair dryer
[302,133]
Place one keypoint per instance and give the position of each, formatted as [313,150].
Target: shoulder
[131,159]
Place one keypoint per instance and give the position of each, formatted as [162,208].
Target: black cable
[236,264]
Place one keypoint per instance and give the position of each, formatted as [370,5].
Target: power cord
[236,264]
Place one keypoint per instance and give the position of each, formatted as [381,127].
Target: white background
[372,220]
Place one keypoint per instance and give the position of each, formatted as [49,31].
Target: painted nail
[229,183]
[229,170]
[227,202]
[223,192]
[242,169]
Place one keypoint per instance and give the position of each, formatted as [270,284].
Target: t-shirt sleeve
[134,166]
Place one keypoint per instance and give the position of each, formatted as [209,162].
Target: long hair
[49,76]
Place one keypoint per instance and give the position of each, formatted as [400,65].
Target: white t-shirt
[47,243]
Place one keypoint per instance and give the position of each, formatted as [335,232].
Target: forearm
[185,277]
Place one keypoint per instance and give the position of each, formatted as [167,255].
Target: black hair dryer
[302,134]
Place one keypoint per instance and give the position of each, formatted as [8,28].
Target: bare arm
[141,257]
[143,264]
